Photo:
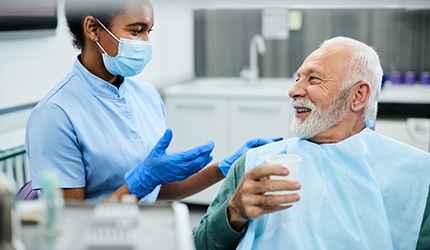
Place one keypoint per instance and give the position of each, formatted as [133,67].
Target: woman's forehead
[136,11]
[140,8]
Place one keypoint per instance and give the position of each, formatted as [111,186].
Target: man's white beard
[319,120]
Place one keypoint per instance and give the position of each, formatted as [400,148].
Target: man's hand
[250,200]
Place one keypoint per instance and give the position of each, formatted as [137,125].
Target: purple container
[410,77]
[396,77]
[425,77]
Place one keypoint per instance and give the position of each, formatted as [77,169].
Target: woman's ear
[91,28]
[360,96]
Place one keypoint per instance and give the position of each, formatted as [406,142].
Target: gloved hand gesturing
[160,167]
[226,163]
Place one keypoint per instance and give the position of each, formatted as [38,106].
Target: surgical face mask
[132,57]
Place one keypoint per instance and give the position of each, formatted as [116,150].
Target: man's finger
[267,185]
[266,170]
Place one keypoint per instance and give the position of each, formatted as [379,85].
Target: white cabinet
[229,122]
[194,121]
[259,118]
[227,115]
[197,120]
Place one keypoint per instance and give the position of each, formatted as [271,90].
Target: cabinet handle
[194,107]
[259,109]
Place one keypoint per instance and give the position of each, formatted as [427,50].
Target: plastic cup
[290,161]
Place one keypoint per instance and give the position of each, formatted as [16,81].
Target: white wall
[173,41]
[32,62]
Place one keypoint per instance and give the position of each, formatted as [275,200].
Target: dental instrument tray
[115,225]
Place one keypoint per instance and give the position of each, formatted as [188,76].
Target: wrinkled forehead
[333,58]
[331,53]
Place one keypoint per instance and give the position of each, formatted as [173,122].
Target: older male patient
[357,189]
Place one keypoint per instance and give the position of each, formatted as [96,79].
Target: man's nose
[298,89]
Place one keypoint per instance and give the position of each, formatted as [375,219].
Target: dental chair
[27,193]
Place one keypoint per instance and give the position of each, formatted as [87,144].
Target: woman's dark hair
[77,10]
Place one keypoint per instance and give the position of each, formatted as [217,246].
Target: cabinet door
[194,121]
[259,118]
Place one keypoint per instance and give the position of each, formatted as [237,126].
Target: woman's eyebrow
[143,24]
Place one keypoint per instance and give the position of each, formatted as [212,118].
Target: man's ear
[91,28]
[360,96]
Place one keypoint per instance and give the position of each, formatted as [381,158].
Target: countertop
[278,88]
[231,87]
[401,93]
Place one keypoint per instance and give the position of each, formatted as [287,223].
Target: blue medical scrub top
[90,133]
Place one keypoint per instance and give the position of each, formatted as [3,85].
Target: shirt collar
[95,83]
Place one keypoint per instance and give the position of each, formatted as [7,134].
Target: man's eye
[314,80]
[150,30]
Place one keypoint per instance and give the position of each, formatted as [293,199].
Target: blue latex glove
[161,167]
[226,163]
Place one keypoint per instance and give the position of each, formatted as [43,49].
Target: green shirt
[214,231]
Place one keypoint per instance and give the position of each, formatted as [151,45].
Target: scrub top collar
[97,85]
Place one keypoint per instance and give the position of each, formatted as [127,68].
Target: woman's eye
[149,31]
[137,32]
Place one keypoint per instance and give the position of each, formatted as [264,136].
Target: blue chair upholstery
[27,193]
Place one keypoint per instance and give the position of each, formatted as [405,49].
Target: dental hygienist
[104,134]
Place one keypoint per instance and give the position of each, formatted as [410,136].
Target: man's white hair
[365,66]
